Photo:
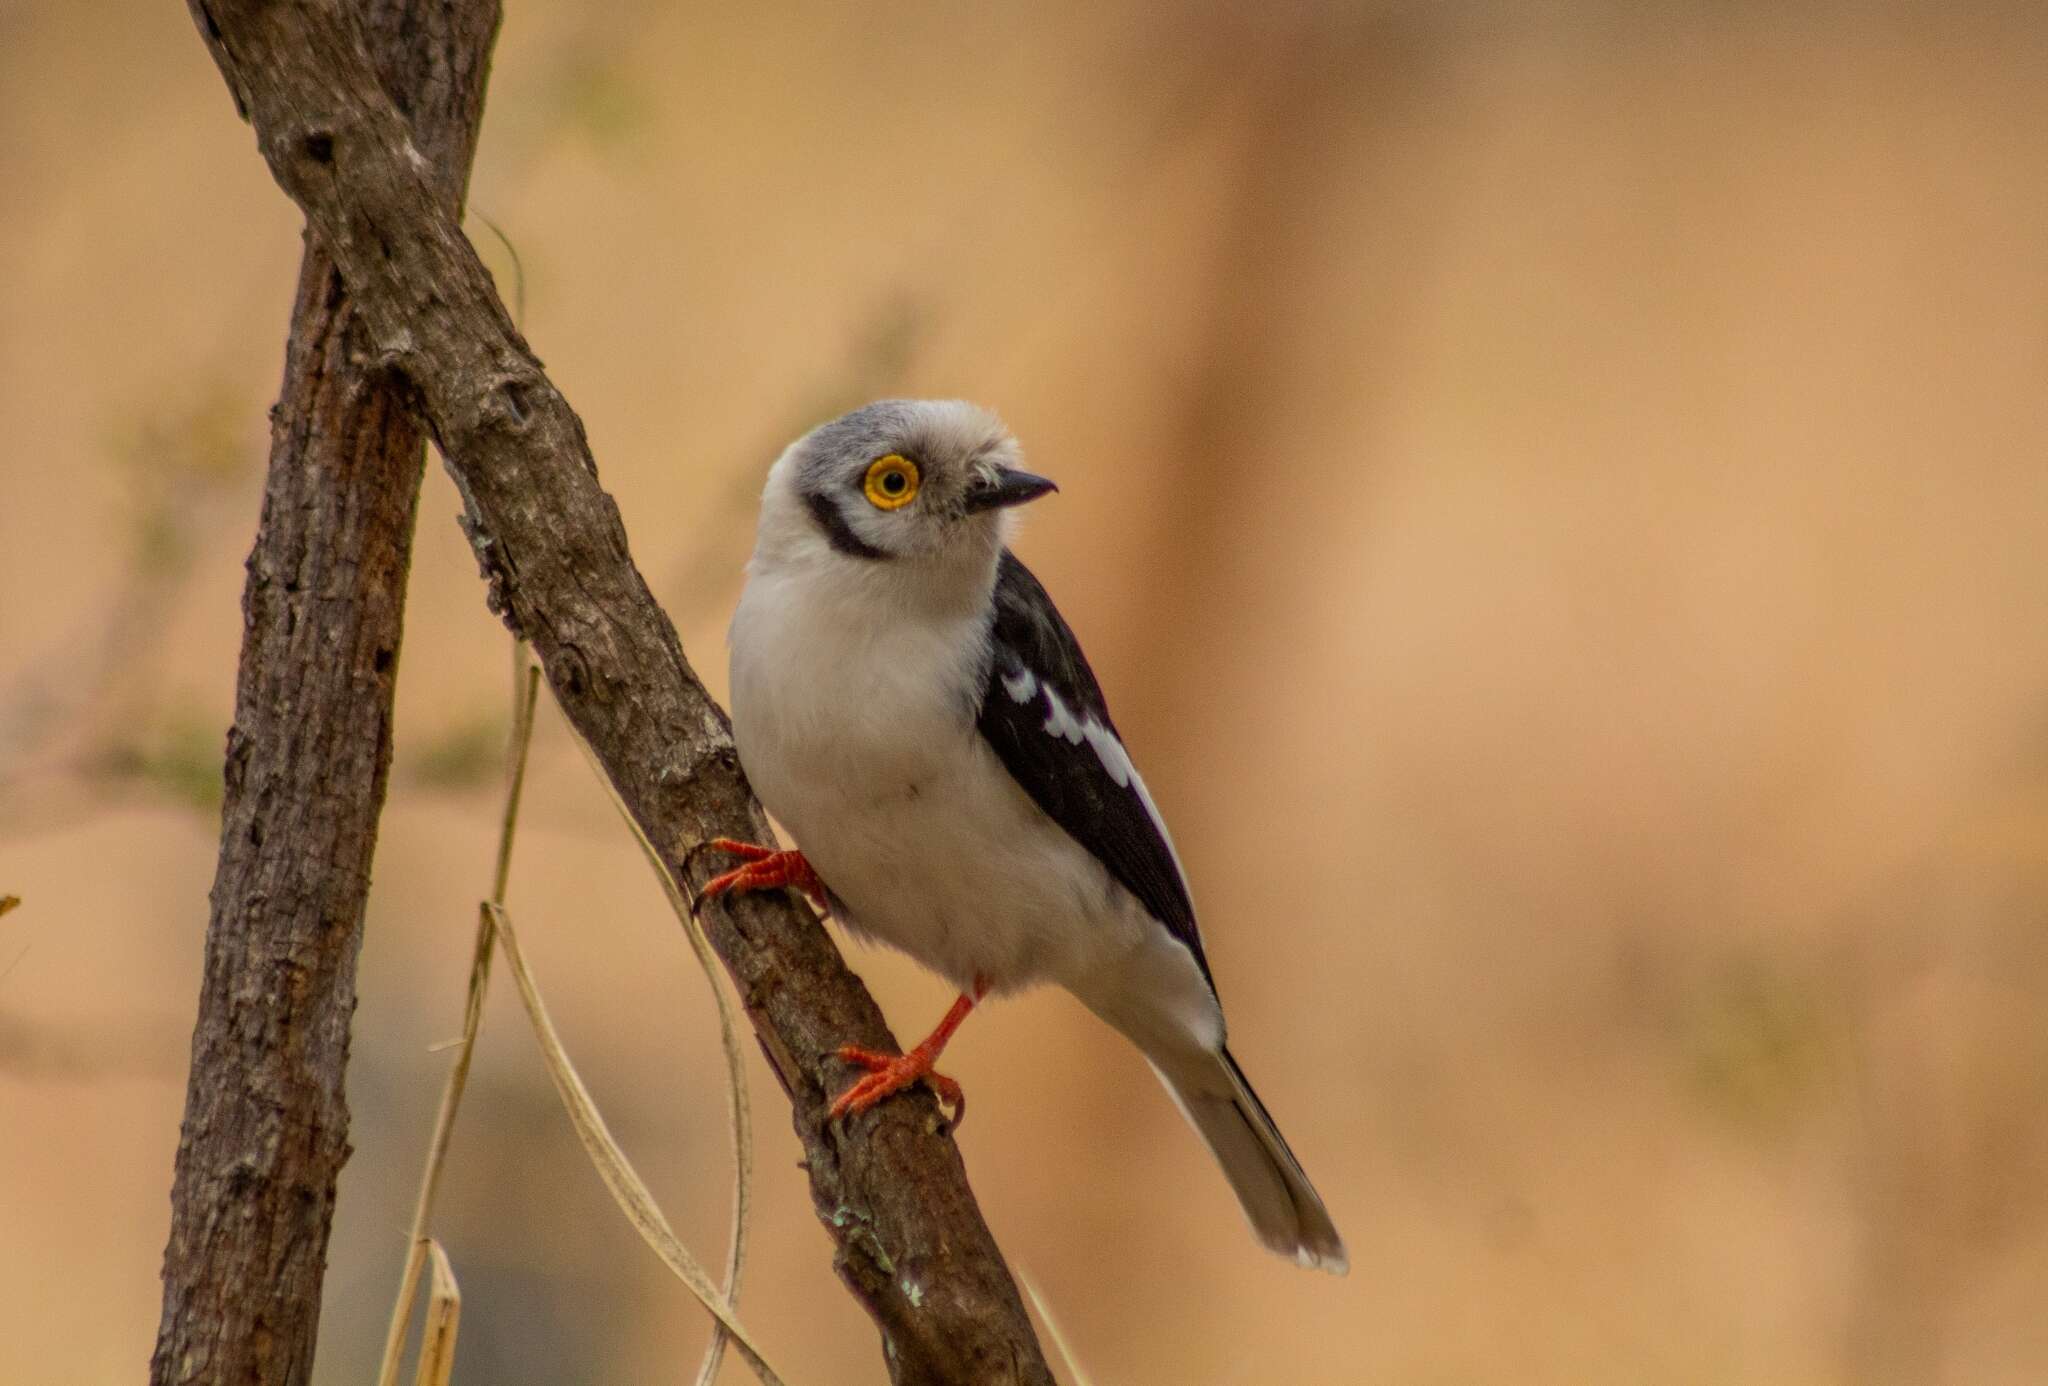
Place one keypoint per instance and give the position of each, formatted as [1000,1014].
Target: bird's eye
[892,482]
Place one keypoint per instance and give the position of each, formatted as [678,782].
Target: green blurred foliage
[1754,1044]
[466,755]
[179,757]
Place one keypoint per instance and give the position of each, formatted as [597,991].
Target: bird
[910,706]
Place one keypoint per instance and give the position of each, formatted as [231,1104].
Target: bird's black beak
[1009,487]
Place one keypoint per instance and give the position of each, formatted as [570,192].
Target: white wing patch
[1109,750]
[1020,685]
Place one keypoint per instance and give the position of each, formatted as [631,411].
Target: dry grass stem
[525,683]
[739,1108]
[625,1185]
[9,902]
[444,1314]
[518,269]
[1075,1374]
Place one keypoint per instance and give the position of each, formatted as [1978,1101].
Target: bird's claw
[760,868]
[888,1074]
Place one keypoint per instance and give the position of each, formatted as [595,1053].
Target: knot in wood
[570,673]
[510,403]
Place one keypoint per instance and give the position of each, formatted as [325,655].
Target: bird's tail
[1284,1210]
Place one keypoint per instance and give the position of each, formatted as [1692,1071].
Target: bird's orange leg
[761,868]
[891,1073]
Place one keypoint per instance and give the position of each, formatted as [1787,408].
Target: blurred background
[1554,492]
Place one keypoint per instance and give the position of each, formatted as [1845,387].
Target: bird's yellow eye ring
[892,482]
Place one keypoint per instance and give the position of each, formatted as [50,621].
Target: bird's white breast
[857,728]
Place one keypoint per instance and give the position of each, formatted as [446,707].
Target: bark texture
[888,1187]
[266,1124]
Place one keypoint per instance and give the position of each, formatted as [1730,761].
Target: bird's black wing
[1044,716]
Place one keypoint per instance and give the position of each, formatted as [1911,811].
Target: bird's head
[898,483]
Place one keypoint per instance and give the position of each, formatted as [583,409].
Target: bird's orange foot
[891,1073]
[761,868]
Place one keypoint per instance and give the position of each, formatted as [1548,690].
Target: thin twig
[525,681]
[739,1108]
[627,1189]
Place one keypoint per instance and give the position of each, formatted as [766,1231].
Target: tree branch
[266,1122]
[888,1187]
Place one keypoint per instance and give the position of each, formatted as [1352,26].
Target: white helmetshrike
[908,702]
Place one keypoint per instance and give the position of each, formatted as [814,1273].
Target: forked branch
[266,1127]
[889,1188]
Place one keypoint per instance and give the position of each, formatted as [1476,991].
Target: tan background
[1555,494]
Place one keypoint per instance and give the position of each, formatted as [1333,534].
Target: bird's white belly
[915,826]
[946,859]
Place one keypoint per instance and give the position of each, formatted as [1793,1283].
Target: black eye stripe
[838,533]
